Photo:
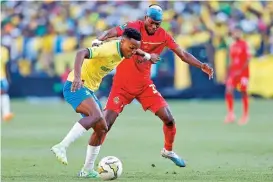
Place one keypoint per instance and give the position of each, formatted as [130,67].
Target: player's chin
[128,56]
[151,31]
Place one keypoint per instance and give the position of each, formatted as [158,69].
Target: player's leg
[151,99]
[94,119]
[243,89]
[94,145]
[84,102]
[93,150]
[169,130]
[5,108]
[115,103]
[230,117]
[110,118]
[117,100]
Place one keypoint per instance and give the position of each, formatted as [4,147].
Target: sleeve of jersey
[171,44]
[120,29]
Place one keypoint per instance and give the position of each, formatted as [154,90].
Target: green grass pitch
[213,151]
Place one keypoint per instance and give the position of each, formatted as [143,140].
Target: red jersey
[132,75]
[239,55]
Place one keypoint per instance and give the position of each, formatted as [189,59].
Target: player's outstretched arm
[104,36]
[190,59]
[80,56]
[108,34]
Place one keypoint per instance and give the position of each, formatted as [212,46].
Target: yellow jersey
[4,60]
[103,59]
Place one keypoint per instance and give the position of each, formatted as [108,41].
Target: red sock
[169,134]
[229,102]
[245,104]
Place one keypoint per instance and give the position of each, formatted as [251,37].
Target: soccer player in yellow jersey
[5,101]
[91,65]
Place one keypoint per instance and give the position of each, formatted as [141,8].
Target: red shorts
[149,98]
[240,82]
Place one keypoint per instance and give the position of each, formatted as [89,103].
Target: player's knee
[93,120]
[97,116]
[101,127]
[170,123]
[102,131]
[168,120]
[229,90]
[105,128]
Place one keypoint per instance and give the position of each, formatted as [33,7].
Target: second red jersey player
[132,79]
[136,83]
[238,75]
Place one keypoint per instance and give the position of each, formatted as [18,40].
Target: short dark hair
[132,33]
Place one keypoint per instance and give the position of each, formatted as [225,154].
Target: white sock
[5,104]
[91,156]
[76,131]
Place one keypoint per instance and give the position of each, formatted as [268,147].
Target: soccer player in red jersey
[132,78]
[238,75]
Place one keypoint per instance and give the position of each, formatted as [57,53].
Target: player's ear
[145,18]
[122,40]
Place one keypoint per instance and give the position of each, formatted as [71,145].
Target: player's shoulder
[106,46]
[133,24]
[138,22]
[110,43]
[161,32]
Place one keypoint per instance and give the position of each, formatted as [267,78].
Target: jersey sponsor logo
[103,68]
[116,100]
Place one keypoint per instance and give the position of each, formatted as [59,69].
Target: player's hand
[76,84]
[207,69]
[155,58]
[96,43]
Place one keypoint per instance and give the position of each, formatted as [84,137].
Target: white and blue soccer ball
[110,168]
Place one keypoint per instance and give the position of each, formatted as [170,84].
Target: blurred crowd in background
[33,33]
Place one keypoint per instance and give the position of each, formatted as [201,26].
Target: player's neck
[238,39]
[120,50]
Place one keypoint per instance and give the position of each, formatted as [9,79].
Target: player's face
[150,25]
[129,47]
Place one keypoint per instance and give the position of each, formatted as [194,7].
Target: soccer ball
[110,168]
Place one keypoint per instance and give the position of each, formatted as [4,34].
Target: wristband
[147,56]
